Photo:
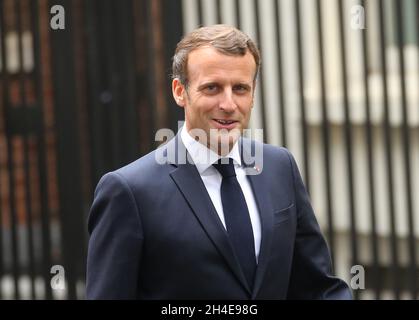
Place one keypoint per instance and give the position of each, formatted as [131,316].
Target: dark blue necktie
[237,219]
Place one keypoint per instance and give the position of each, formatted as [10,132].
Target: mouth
[224,124]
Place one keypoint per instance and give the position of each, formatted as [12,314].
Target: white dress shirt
[204,158]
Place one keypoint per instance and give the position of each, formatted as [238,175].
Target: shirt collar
[204,157]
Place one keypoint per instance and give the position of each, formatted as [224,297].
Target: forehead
[207,62]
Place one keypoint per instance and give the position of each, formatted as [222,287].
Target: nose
[227,103]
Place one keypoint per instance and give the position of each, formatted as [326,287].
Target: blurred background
[339,87]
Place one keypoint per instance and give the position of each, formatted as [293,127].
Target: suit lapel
[261,192]
[190,184]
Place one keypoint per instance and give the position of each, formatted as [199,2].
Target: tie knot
[225,166]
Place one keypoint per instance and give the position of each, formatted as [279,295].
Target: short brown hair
[226,39]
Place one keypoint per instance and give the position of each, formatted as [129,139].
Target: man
[214,226]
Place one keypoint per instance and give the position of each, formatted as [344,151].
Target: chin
[223,143]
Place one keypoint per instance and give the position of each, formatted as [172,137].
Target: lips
[224,123]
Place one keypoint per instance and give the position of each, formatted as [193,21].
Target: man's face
[219,96]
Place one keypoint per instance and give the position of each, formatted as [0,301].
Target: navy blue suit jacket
[155,234]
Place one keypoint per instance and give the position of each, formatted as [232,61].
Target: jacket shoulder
[270,151]
[141,171]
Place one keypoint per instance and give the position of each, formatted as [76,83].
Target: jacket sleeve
[115,243]
[311,275]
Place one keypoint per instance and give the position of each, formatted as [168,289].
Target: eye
[211,89]
[240,88]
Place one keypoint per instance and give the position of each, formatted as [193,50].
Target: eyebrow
[206,84]
[244,84]
[215,83]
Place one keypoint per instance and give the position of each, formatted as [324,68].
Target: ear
[178,91]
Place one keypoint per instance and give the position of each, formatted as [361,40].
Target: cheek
[200,111]
[208,106]
[245,106]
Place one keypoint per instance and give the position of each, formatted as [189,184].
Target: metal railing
[78,102]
